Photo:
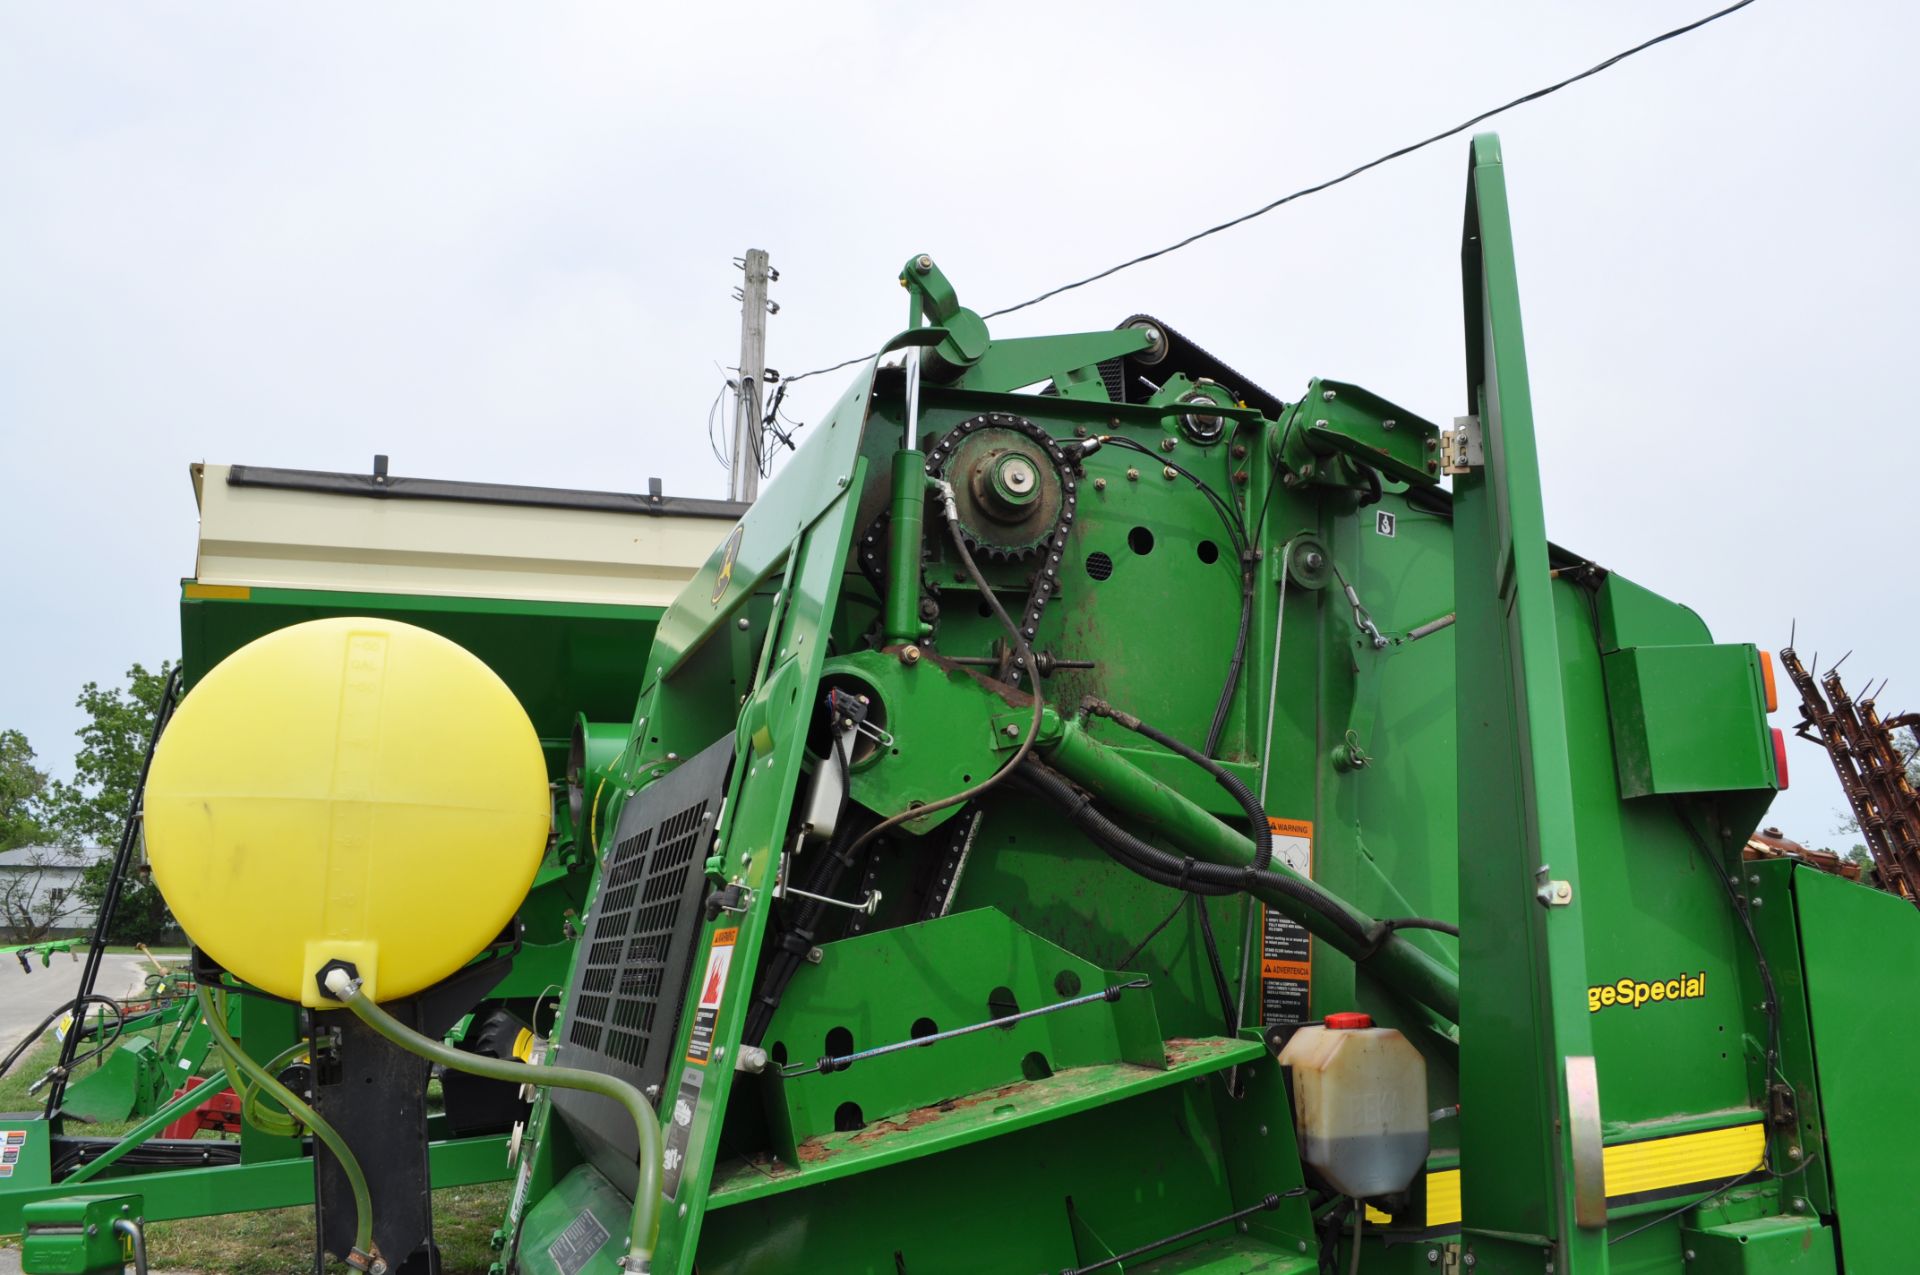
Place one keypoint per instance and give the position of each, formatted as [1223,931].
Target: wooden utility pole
[743,478]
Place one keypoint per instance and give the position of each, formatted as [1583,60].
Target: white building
[38,881]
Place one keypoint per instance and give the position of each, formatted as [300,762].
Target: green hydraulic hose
[362,1255]
[646,1195]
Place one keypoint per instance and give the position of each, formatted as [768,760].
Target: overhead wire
[1330,183]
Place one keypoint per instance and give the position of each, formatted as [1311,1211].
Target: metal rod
[1431,627]
[137,1237]
[842,1063]
[1266,1205]
[1254,906]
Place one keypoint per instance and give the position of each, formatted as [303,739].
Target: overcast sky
[495,241]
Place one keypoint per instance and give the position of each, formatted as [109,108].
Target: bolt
[743,624]
[1240,475]
[1133,475]
[922,263]
[1170,473]
[1433,467]
[1433,1257]
[1306,470]
[1099,484]
[815,956]
[1793,1153]
[1799,1204]
[1468,1260]
[1166,444]
[1433,444]
[683,1210]
[1079,431]
[1243,1228]
[1390,425]
[1320,424]
[1263,1131]
[1287,479]
[1754,879]
[1011,731]
[909,654]
[1326,396]
[1303,1246]
[1757,900]
[1689,1255]
[1239,451]
[653,1091]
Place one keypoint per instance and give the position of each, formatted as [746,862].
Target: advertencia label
[713,986]
[1286,949]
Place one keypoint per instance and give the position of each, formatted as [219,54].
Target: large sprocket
[1009,483]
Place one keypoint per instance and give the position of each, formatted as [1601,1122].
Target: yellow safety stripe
[194,589]
[1632,1168]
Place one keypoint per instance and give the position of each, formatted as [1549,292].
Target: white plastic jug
[1360,1104]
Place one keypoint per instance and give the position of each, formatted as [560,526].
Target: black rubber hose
[78,1005]
[1169,869]
[1191,875]
[1225,703]
[1256,815]
[1228,1011]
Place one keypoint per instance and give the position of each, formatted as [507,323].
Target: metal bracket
[1551,893]
[1584,1136]
[1462,449]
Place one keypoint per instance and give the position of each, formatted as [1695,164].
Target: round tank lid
[1348,1022]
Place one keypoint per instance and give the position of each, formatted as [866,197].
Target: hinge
[1461,449]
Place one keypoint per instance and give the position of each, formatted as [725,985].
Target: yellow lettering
[1593,1000]
[1657,992]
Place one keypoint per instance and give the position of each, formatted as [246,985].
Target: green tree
[92,809]
[23,789]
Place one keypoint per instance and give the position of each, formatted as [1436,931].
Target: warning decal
[1286,949]
[11,1143]
[713,985]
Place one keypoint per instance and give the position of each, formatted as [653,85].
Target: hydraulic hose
[1170,869]
[1256,814]
[646,1195]
[363,1256]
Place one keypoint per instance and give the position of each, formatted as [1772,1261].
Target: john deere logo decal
[727,556]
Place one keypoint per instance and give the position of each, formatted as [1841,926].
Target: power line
[1349,175]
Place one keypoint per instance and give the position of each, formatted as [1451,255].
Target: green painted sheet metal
[1859,947]
[1523,967]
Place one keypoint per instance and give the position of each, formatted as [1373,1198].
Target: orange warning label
[1286,949]
[713,986]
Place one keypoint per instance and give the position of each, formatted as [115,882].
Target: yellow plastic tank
[347,789]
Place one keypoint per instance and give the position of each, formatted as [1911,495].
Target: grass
[276,1241]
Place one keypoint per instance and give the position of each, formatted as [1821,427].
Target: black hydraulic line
[1224,704]
[1168,869]
[110,900]
[78,1005]
[1261,830]
[798,938]
[1229,1012]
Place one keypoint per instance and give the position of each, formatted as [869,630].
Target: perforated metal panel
[629,979]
